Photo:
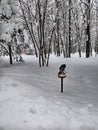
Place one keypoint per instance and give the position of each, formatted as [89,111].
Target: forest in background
[43,27]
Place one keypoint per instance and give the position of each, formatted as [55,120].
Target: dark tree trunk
[69,28]
[88,42]
[10,54]
[88,45]
[58,28]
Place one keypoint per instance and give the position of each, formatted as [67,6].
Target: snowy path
[30,97]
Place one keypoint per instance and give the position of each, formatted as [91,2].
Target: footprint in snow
[25,121]
[32,110]
[14,84]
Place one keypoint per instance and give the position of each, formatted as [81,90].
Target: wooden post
[61,85]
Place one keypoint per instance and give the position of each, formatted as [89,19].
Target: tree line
[52,26]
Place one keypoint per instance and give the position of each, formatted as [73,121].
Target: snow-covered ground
[30,97]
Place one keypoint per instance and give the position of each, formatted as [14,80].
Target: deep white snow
[30,97]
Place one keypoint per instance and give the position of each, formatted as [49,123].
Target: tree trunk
[88,42]
[88,45]
[43,27]
[69,28]
[10,54]
[58,28]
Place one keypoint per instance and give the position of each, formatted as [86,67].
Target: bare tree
[69,28]
[88,42]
